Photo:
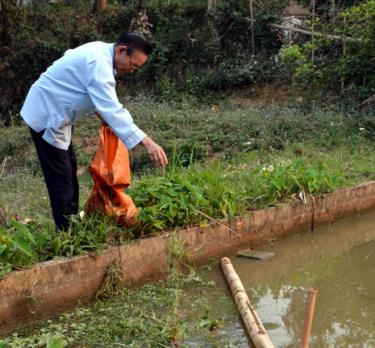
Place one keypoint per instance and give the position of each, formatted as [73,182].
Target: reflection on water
[345,310]
[339,260]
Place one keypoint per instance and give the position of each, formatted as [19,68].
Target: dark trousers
[60,173]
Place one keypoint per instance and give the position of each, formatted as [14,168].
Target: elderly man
[75,86]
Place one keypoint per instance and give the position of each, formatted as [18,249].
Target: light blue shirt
[73,87]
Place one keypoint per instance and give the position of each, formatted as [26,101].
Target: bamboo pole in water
[249,316]
[309,318]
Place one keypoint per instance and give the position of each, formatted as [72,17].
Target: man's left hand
[155,152]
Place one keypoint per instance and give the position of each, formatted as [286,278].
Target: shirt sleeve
[101,88]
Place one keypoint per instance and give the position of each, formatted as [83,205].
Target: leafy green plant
[275,182]
[25,244]
[17,245]
[343,65]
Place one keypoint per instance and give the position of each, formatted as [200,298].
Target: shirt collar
[112,50]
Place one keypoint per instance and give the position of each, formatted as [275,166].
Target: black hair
[134,41]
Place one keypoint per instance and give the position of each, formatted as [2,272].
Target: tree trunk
[140,23]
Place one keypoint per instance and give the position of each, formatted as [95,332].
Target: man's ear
[121,48]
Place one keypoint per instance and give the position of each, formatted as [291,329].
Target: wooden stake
[210,5]
[313,32]
[309,318]
[252,28]
[253,325]
[290,27]
[343,53]
[102,4]
[333,11]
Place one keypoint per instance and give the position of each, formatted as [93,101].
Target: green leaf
[22,245]
[55,342]
[23,231]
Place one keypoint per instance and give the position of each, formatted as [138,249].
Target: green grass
[222,163]
[151,316]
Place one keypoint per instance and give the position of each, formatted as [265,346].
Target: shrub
[352,72]
[194,53]
[41,36]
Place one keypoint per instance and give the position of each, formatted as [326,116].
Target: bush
[41,36]
[332,69]
[195,53]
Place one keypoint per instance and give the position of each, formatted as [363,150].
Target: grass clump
[223,190]
[113,282]
[23,244]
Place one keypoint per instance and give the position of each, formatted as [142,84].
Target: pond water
[337,259]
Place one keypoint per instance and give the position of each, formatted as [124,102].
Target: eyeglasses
[134,66]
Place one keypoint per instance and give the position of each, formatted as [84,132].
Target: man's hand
[155,152]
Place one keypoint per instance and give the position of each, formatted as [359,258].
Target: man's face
[127,64]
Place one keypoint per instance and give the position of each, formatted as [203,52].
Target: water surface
[338,259]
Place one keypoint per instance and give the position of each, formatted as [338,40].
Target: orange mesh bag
[110,171]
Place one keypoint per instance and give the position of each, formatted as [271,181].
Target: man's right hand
[155,152]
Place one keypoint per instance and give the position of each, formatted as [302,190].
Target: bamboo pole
[309,318]
[253,325]
[316,33]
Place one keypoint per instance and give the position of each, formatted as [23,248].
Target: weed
[112,284]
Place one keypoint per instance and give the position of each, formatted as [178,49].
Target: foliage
[23,244]
[352,72]
[356,67]
[193,54]
[177,199]
[287,178]
[42,34]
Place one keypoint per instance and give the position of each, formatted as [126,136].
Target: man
[76,85]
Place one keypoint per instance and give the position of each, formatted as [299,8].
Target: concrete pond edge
[51,287]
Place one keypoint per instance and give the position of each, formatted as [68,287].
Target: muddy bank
[52,287]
